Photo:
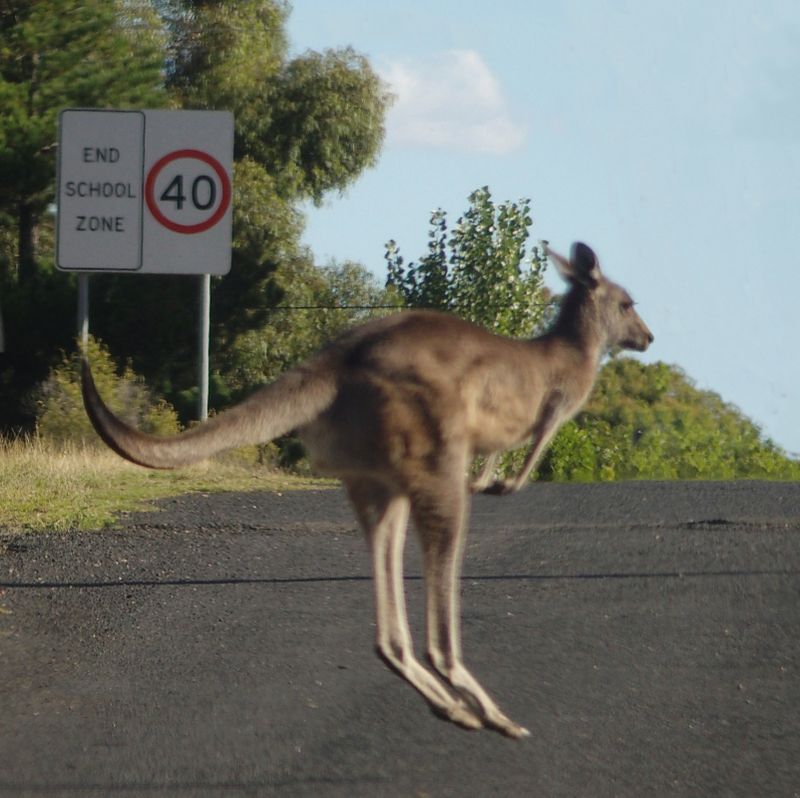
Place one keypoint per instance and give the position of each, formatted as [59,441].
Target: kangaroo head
[600,307]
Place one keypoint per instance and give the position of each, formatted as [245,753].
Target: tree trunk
[27,243]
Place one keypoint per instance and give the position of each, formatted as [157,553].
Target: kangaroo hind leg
[384,516]
[440,516]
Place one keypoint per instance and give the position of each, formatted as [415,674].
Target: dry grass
[62,487]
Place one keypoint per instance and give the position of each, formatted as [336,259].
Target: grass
[44,486]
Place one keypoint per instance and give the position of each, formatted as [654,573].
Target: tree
[327,123]
[304,126]
[483,271]
[56,54]
[314,122]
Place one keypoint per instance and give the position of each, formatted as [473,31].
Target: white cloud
[452,101]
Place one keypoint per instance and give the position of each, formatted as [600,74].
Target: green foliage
[60,413]
[226,55]
[38,321]
[54,54]
[58,54]
[320,304]
[314,122]
[651,422]
[483,271]
[326,124]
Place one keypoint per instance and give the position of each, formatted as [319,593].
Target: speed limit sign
[145,191]
[187,192]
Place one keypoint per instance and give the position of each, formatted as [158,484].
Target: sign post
[83,310]
[203,359]
[146,192]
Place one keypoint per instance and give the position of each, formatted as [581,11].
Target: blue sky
[664,133]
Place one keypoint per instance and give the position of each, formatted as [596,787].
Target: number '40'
[203,192]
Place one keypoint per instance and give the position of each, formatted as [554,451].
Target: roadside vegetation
[64,478]
[66,487]
[650,421]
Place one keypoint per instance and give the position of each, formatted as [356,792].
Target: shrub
[60,415]
[651,422]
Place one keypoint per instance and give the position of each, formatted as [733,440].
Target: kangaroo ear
[585,266]
[581,268]
[560,262]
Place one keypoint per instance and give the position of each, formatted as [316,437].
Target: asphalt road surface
[647,634]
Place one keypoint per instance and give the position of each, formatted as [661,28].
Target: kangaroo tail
[293,400]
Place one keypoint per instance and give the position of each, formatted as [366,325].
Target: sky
[664,133]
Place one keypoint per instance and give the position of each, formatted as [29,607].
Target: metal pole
[83,310]
[204,332]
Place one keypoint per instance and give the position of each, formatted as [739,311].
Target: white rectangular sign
[101,162]
[146,191]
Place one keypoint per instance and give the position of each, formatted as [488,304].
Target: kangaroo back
[293,400]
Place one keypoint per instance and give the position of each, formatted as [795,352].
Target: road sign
[188,164]
[206,200]
[145,191]
[101,162]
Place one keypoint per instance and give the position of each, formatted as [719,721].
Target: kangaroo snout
[641,340]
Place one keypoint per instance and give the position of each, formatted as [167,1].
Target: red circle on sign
[150,184]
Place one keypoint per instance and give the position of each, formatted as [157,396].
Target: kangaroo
[396,408]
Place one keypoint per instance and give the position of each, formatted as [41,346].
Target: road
[648,634]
